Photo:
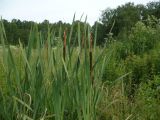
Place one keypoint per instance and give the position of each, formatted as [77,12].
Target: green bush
[143,38]
[148,100]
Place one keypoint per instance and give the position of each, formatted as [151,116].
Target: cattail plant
[58,87]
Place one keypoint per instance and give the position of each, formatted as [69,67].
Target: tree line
[115,23]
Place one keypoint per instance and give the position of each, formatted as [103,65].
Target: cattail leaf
[25,57]
[23,103]
[64,64]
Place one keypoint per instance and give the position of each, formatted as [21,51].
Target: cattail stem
[64,52]
[46,49]
[64,46]
[90,56]
[83,41]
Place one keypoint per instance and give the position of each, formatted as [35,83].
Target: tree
[153,8]
[125,17]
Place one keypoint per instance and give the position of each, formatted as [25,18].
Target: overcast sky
[55,10]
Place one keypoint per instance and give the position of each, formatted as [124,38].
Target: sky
[55,10]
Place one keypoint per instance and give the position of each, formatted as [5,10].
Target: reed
[52,83]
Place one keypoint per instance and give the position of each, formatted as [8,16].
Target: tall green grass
[59,83]
[77,80]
